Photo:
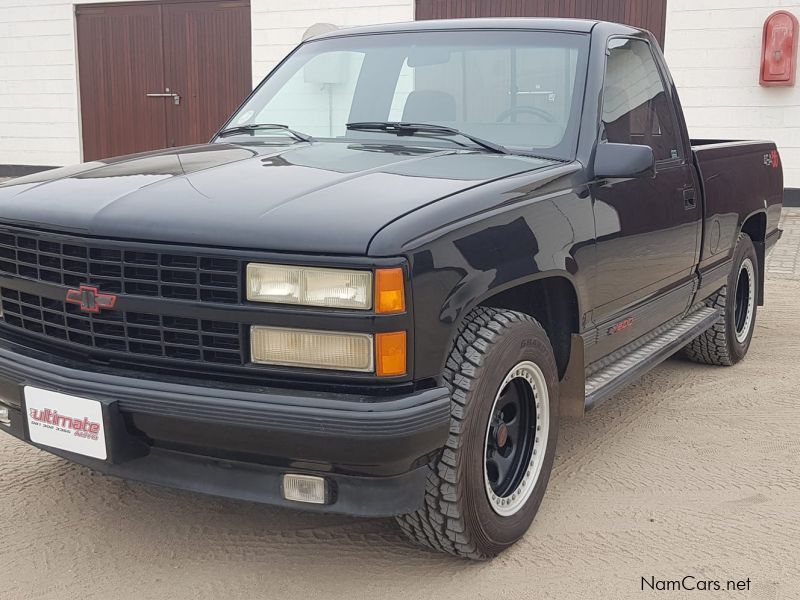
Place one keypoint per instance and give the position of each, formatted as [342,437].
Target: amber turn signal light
[390,296]
[390,353]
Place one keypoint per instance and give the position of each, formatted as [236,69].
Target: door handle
[689,201]
[176,98]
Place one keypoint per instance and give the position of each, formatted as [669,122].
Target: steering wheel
[526,110]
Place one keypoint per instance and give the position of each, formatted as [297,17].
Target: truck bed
[738,179]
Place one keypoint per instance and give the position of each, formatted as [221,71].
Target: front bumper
[238,443]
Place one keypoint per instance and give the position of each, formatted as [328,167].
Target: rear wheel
[727,342]
[485,489]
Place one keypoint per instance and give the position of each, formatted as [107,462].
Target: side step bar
[608,381]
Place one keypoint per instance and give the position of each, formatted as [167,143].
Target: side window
[635,105]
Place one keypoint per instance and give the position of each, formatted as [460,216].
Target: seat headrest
[425,106]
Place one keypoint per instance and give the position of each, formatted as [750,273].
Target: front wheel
[485,489]
[727,342]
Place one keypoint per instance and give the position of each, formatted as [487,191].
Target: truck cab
[410,252]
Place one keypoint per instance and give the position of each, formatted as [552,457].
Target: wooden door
[120,58]
[199,50]
[212,79]
[648,14]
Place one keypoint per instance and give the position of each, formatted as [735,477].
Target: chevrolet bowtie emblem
[90,299]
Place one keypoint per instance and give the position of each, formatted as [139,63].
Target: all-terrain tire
[457,516]
[723,345]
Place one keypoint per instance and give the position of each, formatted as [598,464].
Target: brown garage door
[160,74]
[649,14]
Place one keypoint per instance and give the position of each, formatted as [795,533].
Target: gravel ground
[692,471]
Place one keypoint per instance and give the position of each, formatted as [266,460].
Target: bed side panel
[739,180]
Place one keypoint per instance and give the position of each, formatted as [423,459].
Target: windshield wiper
[402,128]
[265,126]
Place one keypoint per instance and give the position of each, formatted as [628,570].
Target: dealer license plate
[65,422]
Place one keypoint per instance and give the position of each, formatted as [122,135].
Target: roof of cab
[569,25]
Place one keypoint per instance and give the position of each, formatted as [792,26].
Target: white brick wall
[713,51]
[38,97]
[39,108]
[712,48]
[278,25]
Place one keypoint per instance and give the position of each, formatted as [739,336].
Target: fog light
[5,419]
[305,488]
[314,349]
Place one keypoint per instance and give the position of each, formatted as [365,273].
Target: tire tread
[713,346]
[440,524]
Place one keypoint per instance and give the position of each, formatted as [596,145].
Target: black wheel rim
[510,439]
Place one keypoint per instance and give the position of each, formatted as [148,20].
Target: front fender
[528,229]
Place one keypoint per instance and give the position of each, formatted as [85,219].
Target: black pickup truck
[377,289]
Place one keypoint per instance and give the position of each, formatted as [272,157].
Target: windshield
[518,89]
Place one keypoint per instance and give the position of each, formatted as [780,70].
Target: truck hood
[308,198]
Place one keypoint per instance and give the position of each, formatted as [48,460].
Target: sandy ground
[692,471]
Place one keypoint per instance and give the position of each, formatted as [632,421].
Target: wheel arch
[541,296]
[550,298]
[755,226]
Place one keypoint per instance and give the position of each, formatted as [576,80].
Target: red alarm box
[779,49]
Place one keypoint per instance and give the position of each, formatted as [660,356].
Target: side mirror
[623,161]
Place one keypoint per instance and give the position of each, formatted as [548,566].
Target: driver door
[647,229]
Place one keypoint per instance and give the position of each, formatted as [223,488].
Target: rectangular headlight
[309,286]
[312,349]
